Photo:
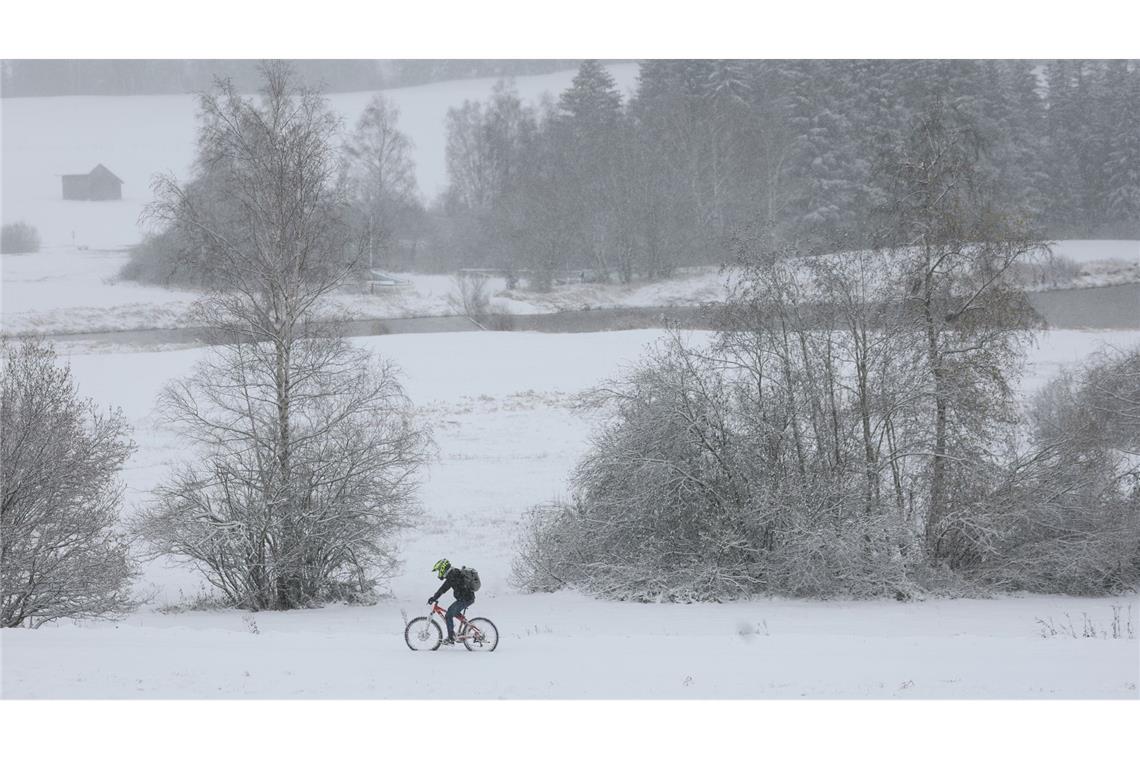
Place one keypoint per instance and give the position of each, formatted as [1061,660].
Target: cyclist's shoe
[448,641]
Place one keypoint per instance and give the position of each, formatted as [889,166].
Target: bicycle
[424,634]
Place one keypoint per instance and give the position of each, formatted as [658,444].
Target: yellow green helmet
[440,568]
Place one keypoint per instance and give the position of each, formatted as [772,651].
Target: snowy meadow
[509,429]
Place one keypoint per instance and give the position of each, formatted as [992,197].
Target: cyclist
[452,579]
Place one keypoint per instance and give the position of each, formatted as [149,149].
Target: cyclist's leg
[463,611]
[456,608]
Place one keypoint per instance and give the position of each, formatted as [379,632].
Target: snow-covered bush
[160,260]
[63,555]
[698,488]
[686,496]
[470,296]
[19,238]
[1047,272]
[1066,518]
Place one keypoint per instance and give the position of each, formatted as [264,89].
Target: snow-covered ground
[568,647]
[137,137]
[64,289]
[508,430]
[1087,251]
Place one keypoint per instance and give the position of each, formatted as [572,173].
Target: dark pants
[457,607]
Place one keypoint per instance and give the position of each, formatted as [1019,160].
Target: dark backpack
[471,578]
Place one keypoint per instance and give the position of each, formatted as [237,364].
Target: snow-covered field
[137,137]
[508,431]
[63,289]
[1086,251]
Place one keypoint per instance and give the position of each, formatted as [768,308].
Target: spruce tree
[1122,166]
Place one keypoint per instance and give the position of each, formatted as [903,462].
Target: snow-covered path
[566,646]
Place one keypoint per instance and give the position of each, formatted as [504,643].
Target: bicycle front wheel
[482,635]
[423,634]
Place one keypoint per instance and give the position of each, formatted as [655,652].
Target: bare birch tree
[61,553]
[960,246]
[381,176]
[309,449]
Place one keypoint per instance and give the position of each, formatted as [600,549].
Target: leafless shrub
[1119,628]
[200,601]
[1066,517]
[500,321]
[1047,271]
[539,554]
[250,622]
[1122,629]
[680,500]
[275,527]
[470,296]
[19,237]
[747,630]
[61,554]
[472,299]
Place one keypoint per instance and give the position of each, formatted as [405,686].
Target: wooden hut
[99,184]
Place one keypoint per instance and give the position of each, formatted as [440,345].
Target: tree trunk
[936,509]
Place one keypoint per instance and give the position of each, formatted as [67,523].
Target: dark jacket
[455,581]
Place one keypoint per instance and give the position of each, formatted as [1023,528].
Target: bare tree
[322,529]
[484,144]
[61,554]
[381,175]
[1066,518]
[309,452]
[470,296]
[958,246]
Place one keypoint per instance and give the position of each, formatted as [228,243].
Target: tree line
[704,148]
[614,189]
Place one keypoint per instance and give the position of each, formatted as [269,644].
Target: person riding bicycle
[454,579]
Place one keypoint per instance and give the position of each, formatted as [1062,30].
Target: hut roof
[103,170]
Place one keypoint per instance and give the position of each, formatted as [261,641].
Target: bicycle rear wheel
[423,634]
[482,635]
